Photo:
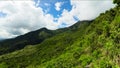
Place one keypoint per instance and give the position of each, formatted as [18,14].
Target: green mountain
[86,44]
[32,38]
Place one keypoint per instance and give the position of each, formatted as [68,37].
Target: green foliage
[3,65]
[117,2]
[85,60]
[87,44]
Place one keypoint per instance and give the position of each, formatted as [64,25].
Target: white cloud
[67,18]
[25,16]
[22,17]
[38,2]
[46,4]
[5,34]
[86,10]
[48,7]
[58,6]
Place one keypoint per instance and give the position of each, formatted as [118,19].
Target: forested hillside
[87,44]
[34,37]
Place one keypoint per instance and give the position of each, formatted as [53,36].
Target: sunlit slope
[95,44]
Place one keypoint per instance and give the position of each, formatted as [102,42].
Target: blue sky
[2,14]
[20,17]
[48,5]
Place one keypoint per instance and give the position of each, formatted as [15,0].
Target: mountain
[32,38]
[20,42]
[88,44]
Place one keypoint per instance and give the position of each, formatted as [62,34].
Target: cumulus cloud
[86,10]
[22,17]
[66,17]
[58,6]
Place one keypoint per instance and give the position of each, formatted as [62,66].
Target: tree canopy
[117,2]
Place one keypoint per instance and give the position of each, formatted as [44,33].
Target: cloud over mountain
[23,16]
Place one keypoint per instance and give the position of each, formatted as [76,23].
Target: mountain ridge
[33,37]
[91,45]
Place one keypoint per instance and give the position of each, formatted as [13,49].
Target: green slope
[20,42]
[43,52]
[92,45]
[32,38]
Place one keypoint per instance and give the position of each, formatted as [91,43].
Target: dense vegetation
[31,38]
[93,44]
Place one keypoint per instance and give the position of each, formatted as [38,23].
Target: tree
[117,2]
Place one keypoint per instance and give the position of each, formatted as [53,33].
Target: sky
[18,17]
